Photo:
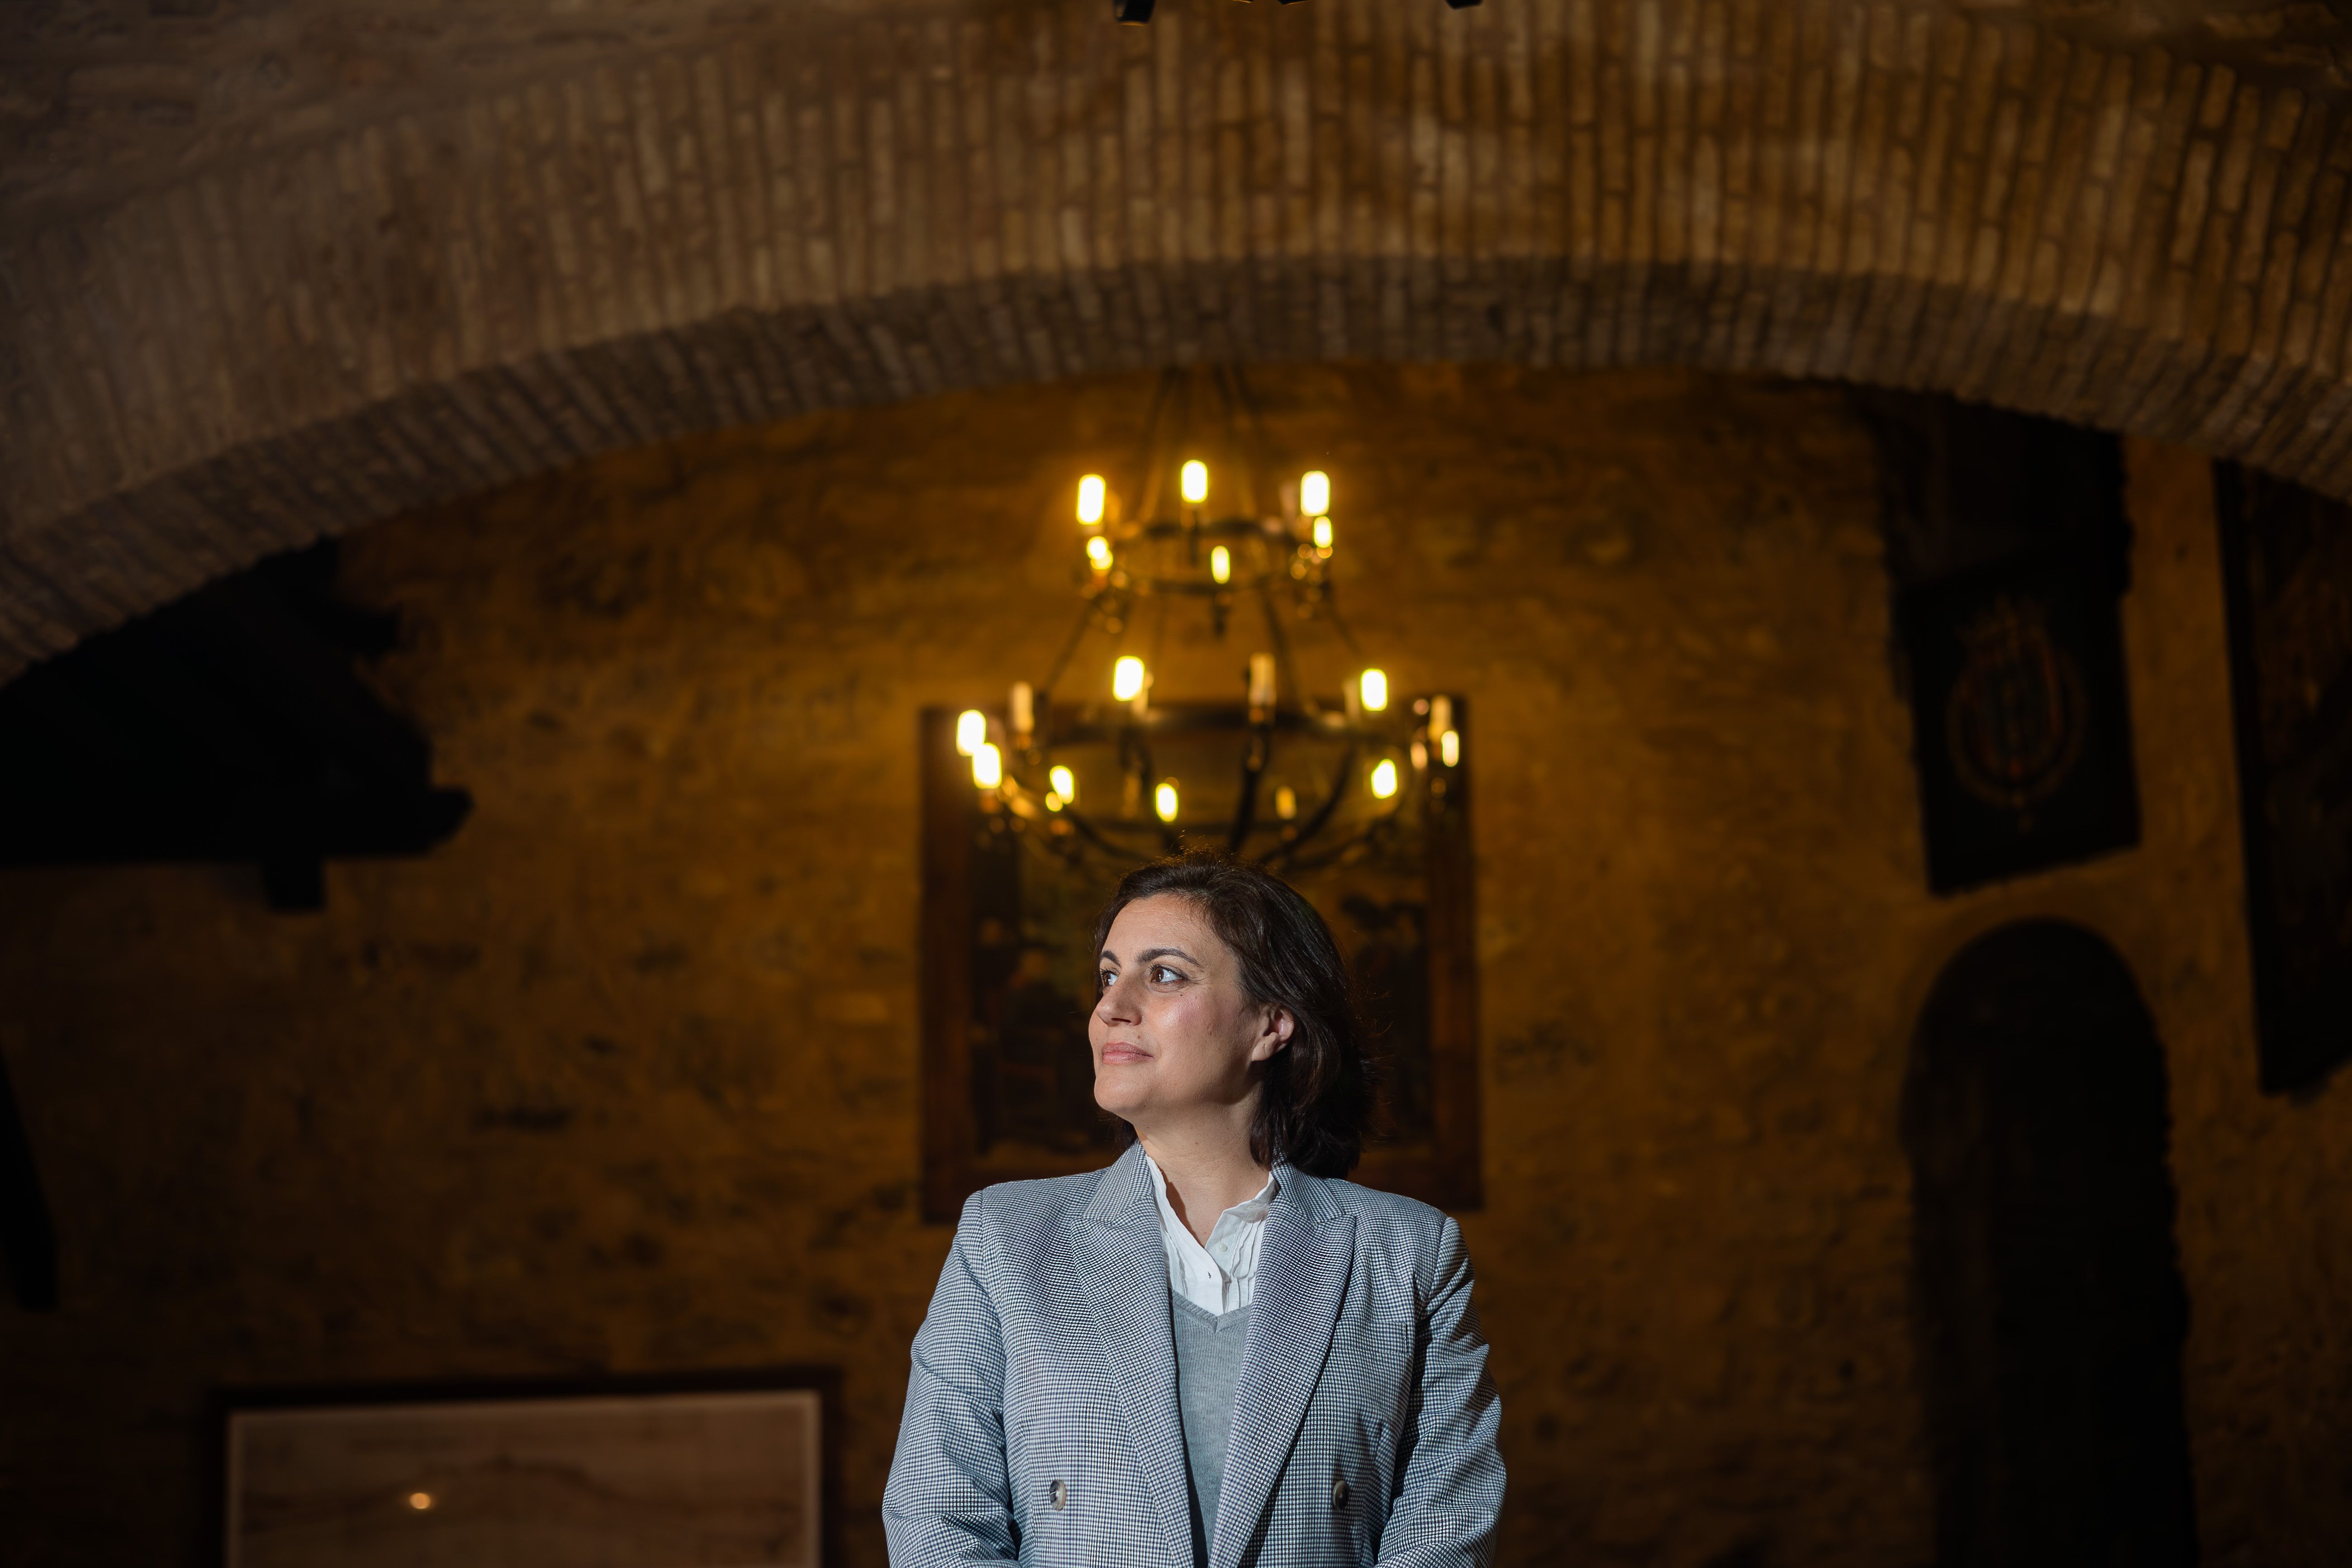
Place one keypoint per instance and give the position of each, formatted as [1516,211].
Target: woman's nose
[1116,1004]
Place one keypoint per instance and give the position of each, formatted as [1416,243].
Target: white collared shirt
[1222,1276]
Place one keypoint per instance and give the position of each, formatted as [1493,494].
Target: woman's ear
[1279,1025]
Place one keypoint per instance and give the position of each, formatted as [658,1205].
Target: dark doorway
[2050,1309]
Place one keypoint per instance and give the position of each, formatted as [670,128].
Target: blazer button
[1338,1494]
[1061,1496]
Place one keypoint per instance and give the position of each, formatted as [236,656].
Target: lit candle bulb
[1195,481]
[987,766]
[1091,495]
[1449,748]
[1221,564]
[1024,708]
[1441,714]
[1163,800]
[1315,492]
[1285,803]
[1098,553]
[1127,678]
[1323,534]
[972,729]
[1375,688]
[1261,684]
[1065,783]
[1384,778]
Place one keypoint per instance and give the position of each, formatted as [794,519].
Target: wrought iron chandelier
[1277,774]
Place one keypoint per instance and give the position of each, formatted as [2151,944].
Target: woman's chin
[1120,1092]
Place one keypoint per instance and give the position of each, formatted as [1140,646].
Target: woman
[1216,1353]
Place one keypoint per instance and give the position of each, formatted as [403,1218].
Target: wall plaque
[2021,723]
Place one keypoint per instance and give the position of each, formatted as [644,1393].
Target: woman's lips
[1120,1051]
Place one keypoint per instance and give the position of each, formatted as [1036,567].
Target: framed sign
[1010,897]
[721,1471]
[2287,574]
[2021,717]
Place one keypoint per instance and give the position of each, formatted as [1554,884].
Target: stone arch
[227,335]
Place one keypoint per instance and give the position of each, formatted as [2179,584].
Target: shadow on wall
[2050,1304]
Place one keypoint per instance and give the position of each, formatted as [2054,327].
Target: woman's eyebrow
[1149,954]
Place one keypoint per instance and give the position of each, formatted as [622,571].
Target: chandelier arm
[1248,402]
[1061,663]
[1314,823]
[1235,399]
[1075,853]
[1170,449]
[1339,624]
[1171,838]
[1150,480]
[1334,852]
[1282,659]
[1256,754]
[1085,830]
[1135,745]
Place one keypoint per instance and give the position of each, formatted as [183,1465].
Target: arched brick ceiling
[275,268]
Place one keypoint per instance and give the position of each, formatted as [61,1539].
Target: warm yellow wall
[2265,1223]
[623,1077]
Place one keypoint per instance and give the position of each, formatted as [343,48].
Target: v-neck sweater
[1209,1349]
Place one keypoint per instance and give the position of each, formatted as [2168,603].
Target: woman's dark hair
[1316,1093]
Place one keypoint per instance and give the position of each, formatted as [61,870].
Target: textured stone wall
[270,268]
[624,1076]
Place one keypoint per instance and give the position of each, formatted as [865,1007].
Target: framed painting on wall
[725,1470]
[2287,575]
[1011,892]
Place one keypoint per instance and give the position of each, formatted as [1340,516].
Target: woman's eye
[1103,979]
[1164,976]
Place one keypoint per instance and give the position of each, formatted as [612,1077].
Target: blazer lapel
[1302,1275]
[1123,1265]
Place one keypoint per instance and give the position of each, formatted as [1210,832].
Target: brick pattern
[830,212]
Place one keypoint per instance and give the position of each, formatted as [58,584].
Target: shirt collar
[1249,1211]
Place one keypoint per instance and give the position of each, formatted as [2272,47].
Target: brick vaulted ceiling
[270,268]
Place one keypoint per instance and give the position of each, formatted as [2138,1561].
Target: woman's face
[1173,1033]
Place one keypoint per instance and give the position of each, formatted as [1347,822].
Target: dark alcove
[2051,1307]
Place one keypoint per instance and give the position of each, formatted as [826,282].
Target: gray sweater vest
[1208,1370]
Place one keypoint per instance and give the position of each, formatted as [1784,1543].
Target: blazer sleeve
[949,1500]
[1451,1486]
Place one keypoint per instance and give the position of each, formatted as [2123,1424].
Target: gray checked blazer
[1042,1424]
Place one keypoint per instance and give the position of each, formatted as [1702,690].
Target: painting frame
[1447,1172]
[225,1406]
